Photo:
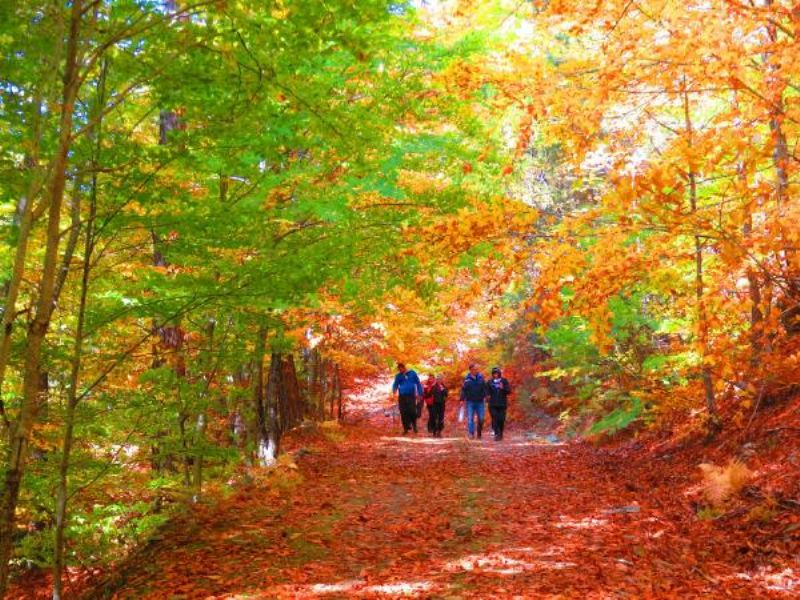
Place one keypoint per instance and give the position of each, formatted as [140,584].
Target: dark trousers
[498,414]
[436,417]
[408,412]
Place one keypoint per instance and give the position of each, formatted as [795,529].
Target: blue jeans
[475,408]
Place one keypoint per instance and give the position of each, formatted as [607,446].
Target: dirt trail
[381,515]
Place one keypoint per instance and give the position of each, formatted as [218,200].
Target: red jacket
[427,393]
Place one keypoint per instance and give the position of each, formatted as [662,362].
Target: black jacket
[439,393]
[498,392]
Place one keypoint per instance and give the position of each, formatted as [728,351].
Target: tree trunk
[292,392]
[269,444]
[166,335]
[202,418]
[776,85]
[72,396]
[22,429]
[702,320]
[72,404]
[25,223]
[315,386]
[73,238]
[756,315]
[266,451]
[339,394]
[25,214]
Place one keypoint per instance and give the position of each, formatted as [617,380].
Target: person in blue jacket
[473,394]
[408,387]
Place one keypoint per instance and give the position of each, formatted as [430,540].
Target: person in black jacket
[436,408]
[498,391]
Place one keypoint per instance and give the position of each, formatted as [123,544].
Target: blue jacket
[407,383]
[474,388]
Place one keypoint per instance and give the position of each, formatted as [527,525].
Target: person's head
[473,368]
[431,377]
[440,378]
[401,367]
[496,372]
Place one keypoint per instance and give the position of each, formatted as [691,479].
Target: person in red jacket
[427,398]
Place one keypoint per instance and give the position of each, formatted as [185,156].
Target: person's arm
[418,385]
[395,385]
[463,394]
[506,387]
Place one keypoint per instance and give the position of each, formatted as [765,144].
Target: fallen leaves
[374,517]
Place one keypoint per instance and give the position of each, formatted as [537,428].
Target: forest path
[381,515]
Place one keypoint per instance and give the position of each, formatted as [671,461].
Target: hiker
[436,408]
[498,391]
[473,393]
[407,386]
[427,397]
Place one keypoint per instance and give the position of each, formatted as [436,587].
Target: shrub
[720,484]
